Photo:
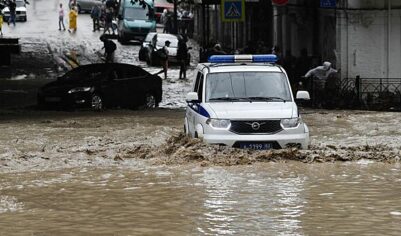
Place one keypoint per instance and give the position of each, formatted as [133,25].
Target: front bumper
[135,34]
[18,17]
[74,100]
[287,138]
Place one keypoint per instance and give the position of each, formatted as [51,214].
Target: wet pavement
[123,172]
[45,48]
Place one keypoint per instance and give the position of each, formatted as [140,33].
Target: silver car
[86,5]
[20,11]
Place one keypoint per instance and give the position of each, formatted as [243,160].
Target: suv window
[199,85]
[247,85]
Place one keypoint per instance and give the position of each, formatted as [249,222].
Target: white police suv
[245,101]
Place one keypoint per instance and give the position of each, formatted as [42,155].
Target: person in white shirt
[61,17]
[319,76]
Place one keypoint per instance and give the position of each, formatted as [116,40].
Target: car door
[112,87]
[138,84]
[193,108]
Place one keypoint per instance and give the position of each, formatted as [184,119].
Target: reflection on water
[263,199]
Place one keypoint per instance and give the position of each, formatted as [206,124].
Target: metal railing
[357,93]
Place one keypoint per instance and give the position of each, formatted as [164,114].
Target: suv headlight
[290,123]
[80,89]
[219,123]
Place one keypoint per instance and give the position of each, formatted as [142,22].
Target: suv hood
[7,10]
[252,110]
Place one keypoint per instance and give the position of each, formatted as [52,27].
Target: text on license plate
[256,146]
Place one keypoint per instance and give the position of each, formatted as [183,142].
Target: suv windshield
[20,3]
[132,13]
[251,86]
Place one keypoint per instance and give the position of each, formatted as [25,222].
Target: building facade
[360,37]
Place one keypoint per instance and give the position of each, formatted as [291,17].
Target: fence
[358,93]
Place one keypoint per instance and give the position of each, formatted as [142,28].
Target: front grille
[256,126]
[140,30]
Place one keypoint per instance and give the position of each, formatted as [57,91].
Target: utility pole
[175,31]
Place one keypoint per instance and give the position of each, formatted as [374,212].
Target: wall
[257,25]
[369,41]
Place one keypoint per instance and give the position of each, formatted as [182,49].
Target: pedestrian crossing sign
[232,10]
[328,3]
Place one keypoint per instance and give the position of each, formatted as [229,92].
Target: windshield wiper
[227,99]
[267,98]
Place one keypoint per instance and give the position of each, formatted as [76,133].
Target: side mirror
[303,95]
[192,97]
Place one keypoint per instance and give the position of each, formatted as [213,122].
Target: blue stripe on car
[200,110]
[203,112]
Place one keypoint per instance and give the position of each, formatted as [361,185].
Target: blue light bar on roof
[261,58]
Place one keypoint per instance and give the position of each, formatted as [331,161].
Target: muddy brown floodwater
[134,173]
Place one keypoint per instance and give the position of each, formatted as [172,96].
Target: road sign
[232,10]
[280,2]
[328,3]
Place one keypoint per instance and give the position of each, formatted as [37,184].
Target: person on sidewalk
[163,57]
[182,57]
[96,13]
[108,21]
[61,17]
[73,15]
[12,6]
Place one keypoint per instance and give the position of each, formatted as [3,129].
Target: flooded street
[84,173]
[263,199]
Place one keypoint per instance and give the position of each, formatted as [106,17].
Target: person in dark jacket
[12,6]
[109,48]
[182,56]
[96,13]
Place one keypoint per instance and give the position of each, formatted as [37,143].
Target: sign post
[232,10]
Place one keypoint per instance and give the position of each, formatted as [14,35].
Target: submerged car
[20,11]
[245,101]
[158,42]
[97,86]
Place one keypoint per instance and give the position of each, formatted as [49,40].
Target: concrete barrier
[8,46]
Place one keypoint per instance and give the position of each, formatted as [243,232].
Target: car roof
[239,67]
[166,36]
[151,35]
[107,65]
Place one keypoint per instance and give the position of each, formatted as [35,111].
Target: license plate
[52,99]
[256,146]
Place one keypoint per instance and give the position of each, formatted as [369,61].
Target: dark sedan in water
[97,86]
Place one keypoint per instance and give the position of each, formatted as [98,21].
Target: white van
[245,101]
